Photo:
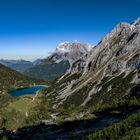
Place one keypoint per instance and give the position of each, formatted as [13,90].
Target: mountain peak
[68,51]
[65,47]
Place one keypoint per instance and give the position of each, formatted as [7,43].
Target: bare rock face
[120,44]
[114,68]
[18,65]
[134,62]
[68,51]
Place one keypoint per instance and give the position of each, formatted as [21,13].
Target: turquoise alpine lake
[26,91]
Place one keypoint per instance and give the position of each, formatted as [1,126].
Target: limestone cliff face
[113,51]
[118,52]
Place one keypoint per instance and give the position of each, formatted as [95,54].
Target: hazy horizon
[30,29]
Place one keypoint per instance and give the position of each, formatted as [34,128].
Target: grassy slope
[14,111]
[120,86]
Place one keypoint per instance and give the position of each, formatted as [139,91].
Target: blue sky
[30,29]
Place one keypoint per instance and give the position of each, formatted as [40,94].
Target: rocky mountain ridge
[117,54]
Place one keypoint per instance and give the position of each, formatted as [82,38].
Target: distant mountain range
[54,65]
[18,65]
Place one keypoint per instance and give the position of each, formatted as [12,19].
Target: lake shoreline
[31,90]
